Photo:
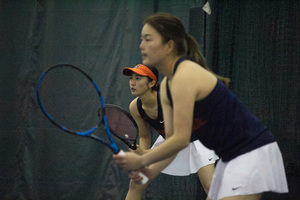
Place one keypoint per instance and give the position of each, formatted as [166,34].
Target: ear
[151,84]
[170,46]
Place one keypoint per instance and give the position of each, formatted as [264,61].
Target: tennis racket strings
[120,123]
[70,99]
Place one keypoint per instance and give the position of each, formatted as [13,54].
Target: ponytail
[155,72]
[194,54]
[156,87]
[170,27]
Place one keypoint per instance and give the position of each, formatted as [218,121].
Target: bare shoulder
[163,89]
[189,69]
[133,106]
[164,80]
[191,78]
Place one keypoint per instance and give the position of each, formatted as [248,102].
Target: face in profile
[152,47]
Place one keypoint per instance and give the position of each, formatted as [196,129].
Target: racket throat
[114,148]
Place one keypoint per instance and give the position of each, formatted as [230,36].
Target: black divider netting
[255,43]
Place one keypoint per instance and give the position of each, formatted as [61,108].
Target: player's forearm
[157,167]
[145,142]
[167,149]
[154,170]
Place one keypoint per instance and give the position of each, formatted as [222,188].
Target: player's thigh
[205,173]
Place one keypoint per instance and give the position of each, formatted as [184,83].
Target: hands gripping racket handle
[145,178]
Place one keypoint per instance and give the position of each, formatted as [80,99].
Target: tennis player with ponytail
[196,104]
[146,110]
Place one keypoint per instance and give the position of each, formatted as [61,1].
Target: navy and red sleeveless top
[158,123]
[223,123]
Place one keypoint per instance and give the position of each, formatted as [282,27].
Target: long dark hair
[155,72]
[171,28]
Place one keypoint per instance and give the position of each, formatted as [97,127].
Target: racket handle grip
[145,179]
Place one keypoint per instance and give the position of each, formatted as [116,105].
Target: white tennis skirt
[190,159]
[257,171]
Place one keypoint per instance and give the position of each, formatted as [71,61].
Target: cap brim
[127,71]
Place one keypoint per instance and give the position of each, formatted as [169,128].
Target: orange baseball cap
[141,70]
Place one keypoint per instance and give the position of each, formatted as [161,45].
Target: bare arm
[154,169]
[178,120]
[190,83]
[144,133]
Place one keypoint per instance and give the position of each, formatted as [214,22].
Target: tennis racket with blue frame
[70,99]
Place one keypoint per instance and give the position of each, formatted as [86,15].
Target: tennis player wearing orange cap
[146,110]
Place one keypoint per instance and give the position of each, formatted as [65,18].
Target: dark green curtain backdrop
[256,43]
